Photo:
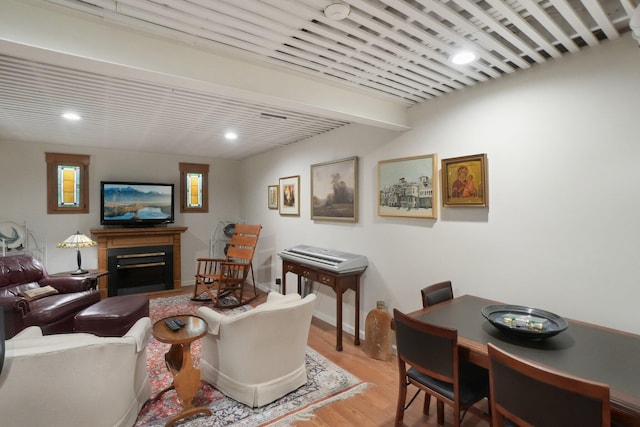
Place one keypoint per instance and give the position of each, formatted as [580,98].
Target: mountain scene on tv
[131,202]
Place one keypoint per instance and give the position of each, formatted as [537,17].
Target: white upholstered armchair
[74,379]
[258,356]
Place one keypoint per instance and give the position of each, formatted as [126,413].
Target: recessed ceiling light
[231,136]
[463,57]
[71,116]
[337,11]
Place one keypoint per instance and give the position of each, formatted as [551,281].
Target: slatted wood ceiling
[396,49]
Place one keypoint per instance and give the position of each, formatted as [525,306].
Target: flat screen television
[136,204]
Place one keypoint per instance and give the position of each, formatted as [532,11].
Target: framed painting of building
[464,181]
[407,187]
[289,200]
[334,190]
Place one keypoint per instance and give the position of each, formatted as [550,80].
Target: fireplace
[140,269]
[110,239]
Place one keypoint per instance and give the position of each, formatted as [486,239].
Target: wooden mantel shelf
[126,237]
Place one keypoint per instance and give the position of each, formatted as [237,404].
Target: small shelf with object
[18,239]
[221,236]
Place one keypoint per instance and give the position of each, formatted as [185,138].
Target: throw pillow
[37,293]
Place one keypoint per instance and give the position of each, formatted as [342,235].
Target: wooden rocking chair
[225,277]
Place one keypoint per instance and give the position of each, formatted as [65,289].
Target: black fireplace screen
[140,269]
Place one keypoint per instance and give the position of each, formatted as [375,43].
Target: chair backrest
[263,343]
[431,349]
[533,395]
[436,293]
[66,395]
[243,243]
[17,270]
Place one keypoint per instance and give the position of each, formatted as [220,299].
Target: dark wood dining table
[585,350]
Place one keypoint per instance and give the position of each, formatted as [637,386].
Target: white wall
[560,232]
[23,197]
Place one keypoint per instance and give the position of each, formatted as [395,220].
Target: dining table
[585,350]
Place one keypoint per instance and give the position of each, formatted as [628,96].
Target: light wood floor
[376,406]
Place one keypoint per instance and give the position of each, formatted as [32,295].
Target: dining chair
[436,293]
[428,359]
[525,394]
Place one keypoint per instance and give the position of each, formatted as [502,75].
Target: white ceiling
[317,73]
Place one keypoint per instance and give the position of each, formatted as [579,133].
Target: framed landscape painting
[334,190]
[464,181]
[289,200]
[407,187]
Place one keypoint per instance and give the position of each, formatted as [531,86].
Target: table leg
[283,289]
[339,293]
[186,381]
[356,339]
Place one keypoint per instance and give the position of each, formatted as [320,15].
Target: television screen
[136,203]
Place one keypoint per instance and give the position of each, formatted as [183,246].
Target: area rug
[326,383]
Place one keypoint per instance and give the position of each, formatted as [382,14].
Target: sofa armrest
[67,285]
[30,332]
[140,332]
[213,319]
[16,303]
[277,298]
[14,308]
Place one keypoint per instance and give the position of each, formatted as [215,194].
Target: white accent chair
[258,356]
[74,379]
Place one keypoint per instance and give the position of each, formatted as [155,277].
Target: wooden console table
[110,238]
[338,282]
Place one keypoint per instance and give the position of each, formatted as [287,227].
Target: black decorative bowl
[524,322]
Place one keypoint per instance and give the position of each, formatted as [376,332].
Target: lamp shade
[77,240]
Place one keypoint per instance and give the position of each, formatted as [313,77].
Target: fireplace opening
[140,269]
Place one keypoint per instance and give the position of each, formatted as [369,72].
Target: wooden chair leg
[440,412]
[427,403]
[402,397]
[197,289]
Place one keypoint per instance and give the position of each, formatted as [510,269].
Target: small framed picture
[407,187]
[272,197]
[334,190]
[289,200]
[464,181]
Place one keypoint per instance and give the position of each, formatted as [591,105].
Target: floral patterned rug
[326,383]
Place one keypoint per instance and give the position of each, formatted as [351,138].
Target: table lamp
[77,241]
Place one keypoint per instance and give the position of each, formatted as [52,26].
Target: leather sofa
[78,379]
[53,313]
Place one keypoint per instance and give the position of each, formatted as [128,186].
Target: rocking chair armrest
[211,259]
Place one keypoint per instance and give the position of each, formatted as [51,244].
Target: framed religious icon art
[407,187]
[464,181]
[289,200]
[272,197]
[334,190]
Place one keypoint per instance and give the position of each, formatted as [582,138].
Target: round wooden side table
[186,377]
